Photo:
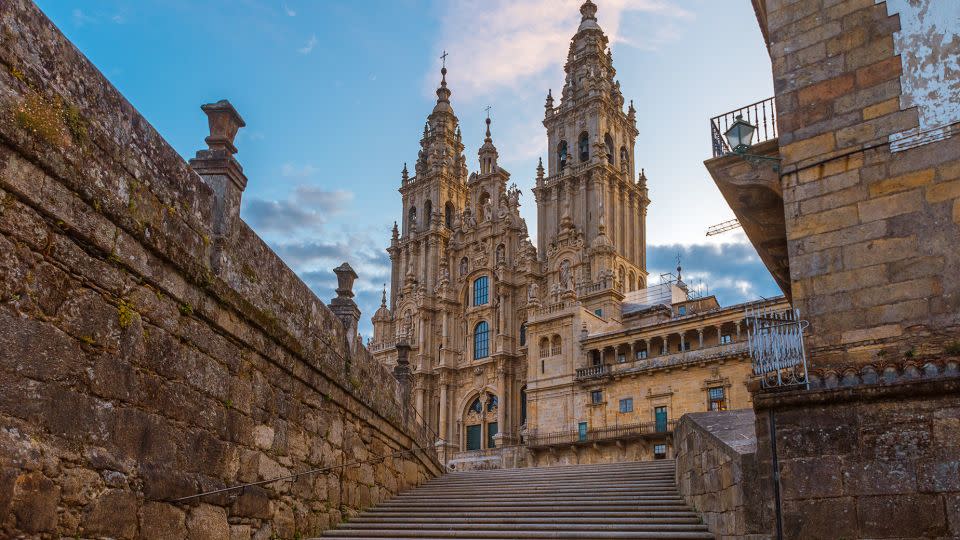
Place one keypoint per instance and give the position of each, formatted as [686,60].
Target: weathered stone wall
[134,370]
[717,473]
[872,461]
[866,96]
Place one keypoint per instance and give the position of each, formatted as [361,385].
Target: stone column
[648,348]
[700,332]
[503,430]
[738,330]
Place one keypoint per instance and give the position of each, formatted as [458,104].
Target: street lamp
[740,135]
[740,139]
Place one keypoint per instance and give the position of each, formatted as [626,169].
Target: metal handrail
[294,476]
[762,114]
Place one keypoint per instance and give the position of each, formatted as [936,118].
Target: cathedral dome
[602,241]
[383,314]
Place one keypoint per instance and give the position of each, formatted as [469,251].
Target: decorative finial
[488,139]
[383,299]
[405,175]
[589,11]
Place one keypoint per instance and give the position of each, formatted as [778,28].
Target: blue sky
[335,94]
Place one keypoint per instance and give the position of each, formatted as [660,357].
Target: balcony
[593,372]
[753,190]
[643,430]
[762,114]
[740,348]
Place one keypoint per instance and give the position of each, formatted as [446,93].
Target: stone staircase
[621,500]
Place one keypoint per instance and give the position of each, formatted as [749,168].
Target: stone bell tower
[591,214]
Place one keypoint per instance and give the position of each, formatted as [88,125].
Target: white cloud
[304,211]
[289,170]
[503,43]
[308,48]
[80,18]
[288,11]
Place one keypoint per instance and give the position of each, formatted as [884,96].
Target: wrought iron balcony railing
[762,114]
[603,434]
[776,346]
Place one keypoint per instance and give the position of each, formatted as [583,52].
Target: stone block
[953,514]
[956,211]
[872,334]
[208,522]
[898,292]
[113,514]
[35,500]
[883,250]
[943,191]
[879,72]
[881,109]
[820,519]
[811,478]
[916,516]
[903,182]
[826,91]
[807,148]
[253,502]
[161,521]
[831,220]
[939,476]
[878,477]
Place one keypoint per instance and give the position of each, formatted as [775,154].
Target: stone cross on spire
[443,57]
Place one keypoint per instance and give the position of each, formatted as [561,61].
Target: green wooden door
[473,437]
[491,431]
[660,413]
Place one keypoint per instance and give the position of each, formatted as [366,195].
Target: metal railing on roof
[762,114]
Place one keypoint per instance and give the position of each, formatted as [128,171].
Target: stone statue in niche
[469,220]
[503,211]
[501,254]
[464,266]
[533,292]
[487,210]
[564,279]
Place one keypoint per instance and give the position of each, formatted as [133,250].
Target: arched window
[584,146]
[448,214]
[608,141]
[492,402]
[427,213]
[562,155]
[622,276]
[481,340]
[481,291]
[544,347]
[556,345]
[633,280]
[412,218]
[523,334]
[476,406]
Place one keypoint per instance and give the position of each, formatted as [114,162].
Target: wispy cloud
[305,211]
[288,11]
[308,48]
[731,271]
[81,18]
[504,43]
[290,170]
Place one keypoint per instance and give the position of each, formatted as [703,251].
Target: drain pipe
[776,474]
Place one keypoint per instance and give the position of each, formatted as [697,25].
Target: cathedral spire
[443,93]
[488,152]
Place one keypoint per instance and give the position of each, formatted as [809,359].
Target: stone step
[432,534]
[556,514]
[542,526]
[690,518]
[623,500]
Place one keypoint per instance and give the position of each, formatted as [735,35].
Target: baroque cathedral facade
[496,328]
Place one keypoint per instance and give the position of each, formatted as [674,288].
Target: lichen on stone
[51,120]
[125,313]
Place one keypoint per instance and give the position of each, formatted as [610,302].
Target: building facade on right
[849,188]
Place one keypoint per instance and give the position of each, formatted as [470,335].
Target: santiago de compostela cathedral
[566,353]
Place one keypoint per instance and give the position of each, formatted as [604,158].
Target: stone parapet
[864,461]
[717,473]
[135,371]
